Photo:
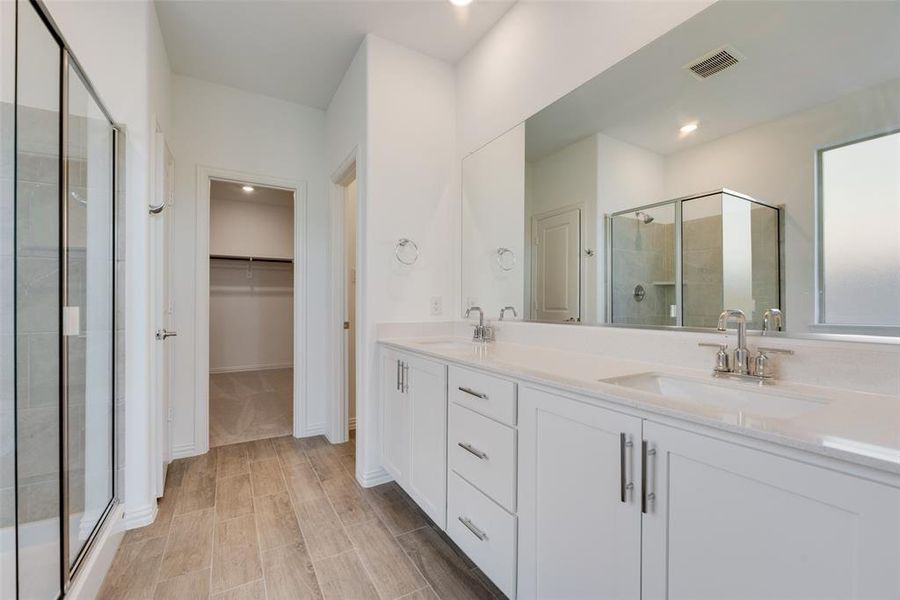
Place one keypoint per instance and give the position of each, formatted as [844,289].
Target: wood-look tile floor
[250,405]
[284,518]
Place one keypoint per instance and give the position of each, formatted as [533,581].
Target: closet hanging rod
[250,258]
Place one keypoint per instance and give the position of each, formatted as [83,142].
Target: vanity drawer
[488,395]
[484,531]
[483,452]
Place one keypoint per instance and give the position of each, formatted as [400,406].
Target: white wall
[540,51]
[412,181]
[225,128]
[493,216]
[251,308]
[119,45]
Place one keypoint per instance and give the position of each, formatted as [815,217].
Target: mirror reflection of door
[557,266]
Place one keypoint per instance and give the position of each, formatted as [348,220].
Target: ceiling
[231,191]
[299,50]
[797,55]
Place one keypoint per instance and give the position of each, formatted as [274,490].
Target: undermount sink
[729,396]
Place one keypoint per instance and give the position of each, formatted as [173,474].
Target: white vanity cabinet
[414,429]
[730,521]
[579,521]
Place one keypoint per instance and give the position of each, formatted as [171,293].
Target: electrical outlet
[437,305]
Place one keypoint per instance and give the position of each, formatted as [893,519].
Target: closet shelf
[250,258]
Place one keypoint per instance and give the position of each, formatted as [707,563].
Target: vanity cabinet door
[732,522]
[578,536]
[427,397]
[394,416]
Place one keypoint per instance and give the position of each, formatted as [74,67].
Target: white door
[427,478]
[394,416]
[579,500]
[163,308]
[557,266]
[730,522]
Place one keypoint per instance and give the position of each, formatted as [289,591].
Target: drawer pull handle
[472,392]
[474,451]
[471,527]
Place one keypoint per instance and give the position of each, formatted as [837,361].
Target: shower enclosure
[57,323]
[683,261]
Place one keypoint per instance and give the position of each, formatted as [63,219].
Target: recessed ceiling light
[247,188]
[689,128]
[460,2]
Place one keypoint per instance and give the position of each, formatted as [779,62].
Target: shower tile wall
[7,324]
[644,255]
[702,270]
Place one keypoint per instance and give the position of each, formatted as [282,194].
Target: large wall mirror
[749,159]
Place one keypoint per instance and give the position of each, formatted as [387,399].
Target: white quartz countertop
[857,427]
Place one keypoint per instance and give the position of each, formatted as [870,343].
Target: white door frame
[201,385]
[161,374]
[338,427]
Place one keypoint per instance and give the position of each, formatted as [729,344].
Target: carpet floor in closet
[250,405]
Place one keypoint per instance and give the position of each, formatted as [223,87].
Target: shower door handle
[162,334]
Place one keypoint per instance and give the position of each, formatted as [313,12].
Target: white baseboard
[140,516]
[242,368]
[90,575]
[373,478]
[315,429]
[184,450]
[353,423]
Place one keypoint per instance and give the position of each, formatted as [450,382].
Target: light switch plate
[71,320]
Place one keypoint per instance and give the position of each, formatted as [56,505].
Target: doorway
[251,308]
[556,281]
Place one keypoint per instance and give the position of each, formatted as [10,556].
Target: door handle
[647,478]
[398,374]
[625,451]
[162,334]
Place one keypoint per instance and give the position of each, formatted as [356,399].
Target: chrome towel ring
[506,259]
[406,251]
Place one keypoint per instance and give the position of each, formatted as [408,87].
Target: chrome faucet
[506,308]
[740,367]
[773,320]
[741,362]
[482,332]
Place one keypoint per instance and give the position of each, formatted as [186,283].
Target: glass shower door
[87,314]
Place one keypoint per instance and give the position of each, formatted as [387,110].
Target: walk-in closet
[251,298]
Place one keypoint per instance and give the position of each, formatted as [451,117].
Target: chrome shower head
[643,217]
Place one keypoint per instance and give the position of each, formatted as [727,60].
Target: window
[859,233]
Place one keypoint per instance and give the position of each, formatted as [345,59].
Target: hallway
[284,518]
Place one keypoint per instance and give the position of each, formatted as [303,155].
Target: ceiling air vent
[714,62]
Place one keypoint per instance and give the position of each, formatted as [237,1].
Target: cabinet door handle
[471,527]
[472,392]
[405,377]
[474,451]
[398,374]
[647,478]
[625,450]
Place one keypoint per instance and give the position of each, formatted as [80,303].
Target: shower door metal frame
[68,567]
[679,259]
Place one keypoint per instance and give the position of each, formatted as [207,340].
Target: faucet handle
[722,359]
